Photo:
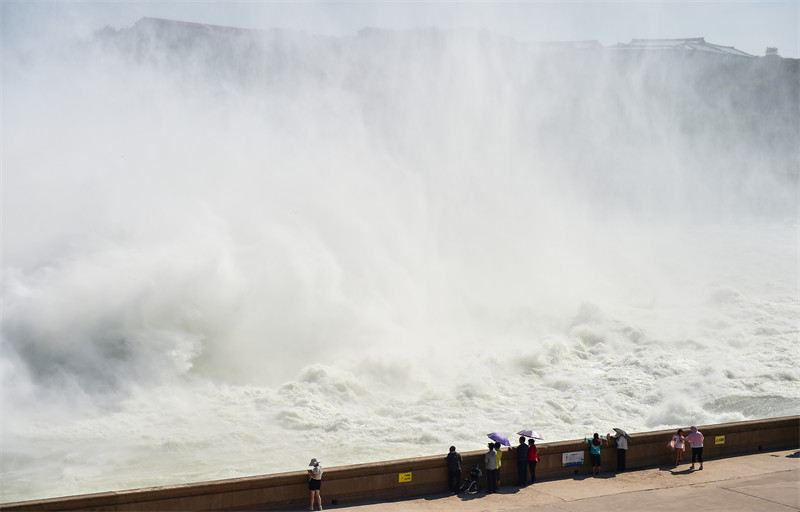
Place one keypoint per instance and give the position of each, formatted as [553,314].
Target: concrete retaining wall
[416,477]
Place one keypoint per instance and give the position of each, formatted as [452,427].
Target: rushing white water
[223,257]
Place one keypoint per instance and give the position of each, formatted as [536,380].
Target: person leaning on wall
[595,444]
[622,451]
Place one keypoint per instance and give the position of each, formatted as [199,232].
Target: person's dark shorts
[314,485]
[595,459]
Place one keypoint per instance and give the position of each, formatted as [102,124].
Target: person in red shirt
[533,458]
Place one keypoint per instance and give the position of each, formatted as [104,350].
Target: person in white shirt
[622,450]
[315,483]
[490,460]
[678,445]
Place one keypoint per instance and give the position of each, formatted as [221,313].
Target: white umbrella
[530,433]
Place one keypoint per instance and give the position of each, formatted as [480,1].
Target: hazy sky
[746,25]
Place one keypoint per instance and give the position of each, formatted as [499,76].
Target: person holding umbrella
[621,438]
[533,452]
[533,458]
[499,451]
[499,440]
[522,463]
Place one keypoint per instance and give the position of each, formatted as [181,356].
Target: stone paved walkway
[762,482]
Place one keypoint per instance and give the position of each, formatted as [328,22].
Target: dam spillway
[403,237]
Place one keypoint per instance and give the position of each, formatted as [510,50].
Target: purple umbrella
[499,438]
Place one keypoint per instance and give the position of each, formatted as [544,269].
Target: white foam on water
[370,248]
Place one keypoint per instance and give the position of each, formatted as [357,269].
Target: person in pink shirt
[695,438]
[677,445]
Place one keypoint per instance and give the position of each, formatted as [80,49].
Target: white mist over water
[223,256]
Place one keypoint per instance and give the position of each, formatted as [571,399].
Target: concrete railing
[416,477]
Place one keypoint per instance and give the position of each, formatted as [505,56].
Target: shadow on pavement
[470,497]
[440,496]
[461,495]
[602,476]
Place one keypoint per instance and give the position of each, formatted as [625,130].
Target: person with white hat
[315,482]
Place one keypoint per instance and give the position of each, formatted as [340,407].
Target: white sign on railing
[572,459]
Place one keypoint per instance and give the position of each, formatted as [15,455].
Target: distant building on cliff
[691,47]
[695,47]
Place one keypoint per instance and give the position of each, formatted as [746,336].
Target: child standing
[678,445]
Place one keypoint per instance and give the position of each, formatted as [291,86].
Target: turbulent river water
[224,256]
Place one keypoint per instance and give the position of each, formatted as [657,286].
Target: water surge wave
[225,253]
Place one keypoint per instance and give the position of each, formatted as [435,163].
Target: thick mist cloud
[301,225]
[331,187]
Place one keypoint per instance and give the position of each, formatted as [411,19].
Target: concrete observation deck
[764,482]
[750,465]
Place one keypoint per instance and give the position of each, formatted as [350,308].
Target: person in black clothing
[453,469]
[522,463]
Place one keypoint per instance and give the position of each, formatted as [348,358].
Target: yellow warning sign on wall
[719,440]
[405,477]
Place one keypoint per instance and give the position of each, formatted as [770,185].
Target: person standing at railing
[594,452]
[499,451]
[533,458]
[622,451]
[453,469]
[522,463]
[678,445]
[490,462]
[315,483]
[695,438]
